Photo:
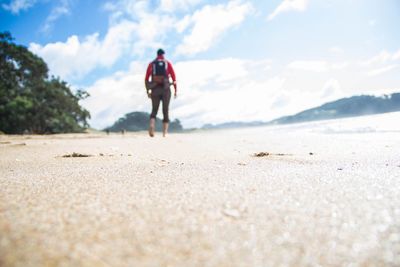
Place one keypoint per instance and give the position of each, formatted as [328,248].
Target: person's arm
[146,79]
[148,72]
[172,73]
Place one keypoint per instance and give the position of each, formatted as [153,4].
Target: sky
[239,60]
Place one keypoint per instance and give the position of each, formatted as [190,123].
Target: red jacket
[170,71]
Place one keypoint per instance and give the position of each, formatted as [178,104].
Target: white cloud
[62,9]
[174,5]
[382,70]
[382,57]
[317,65]
[75,58]
[214,91]
[156,23]
[15,6]
[133,29]
[309,65]
[153,24]
[183,24]
[396,55]
[208,25]
[129,8]
[289,5]
[331,90]
[381,63]
[114,96]
[151,31]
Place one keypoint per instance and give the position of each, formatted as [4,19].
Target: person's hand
[175,95]
[149,93]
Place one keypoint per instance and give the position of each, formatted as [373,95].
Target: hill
[139,121]
[346,107]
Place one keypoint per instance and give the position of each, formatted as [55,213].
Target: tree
[29,100]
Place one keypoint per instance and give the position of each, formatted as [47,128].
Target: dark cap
[160,52]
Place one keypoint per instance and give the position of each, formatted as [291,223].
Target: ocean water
[381,123]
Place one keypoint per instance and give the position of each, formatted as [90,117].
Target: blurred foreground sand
[201,199]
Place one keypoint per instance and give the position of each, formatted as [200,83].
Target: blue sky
[240,60]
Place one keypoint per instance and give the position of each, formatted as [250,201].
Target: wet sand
[201,199]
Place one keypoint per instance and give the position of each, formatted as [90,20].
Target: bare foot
[151,132]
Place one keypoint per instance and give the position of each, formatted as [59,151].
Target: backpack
[159,74]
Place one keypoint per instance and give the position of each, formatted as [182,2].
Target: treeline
[30,101]
[139,121]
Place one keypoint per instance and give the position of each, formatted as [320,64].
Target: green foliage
[139,121]
[29,100]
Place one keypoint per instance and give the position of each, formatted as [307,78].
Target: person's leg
[155,101]
[166,99]
[165,128]
[152,126]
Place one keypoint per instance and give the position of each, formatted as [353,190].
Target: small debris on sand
[311,153]
[76,155]
[242,164]
[266,154]
[262,154]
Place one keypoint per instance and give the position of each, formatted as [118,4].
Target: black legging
[160,94]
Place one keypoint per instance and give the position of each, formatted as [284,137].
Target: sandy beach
[321,194]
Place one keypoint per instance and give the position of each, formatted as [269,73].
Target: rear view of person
[158,89]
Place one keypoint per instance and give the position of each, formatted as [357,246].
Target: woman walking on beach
[158,89]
